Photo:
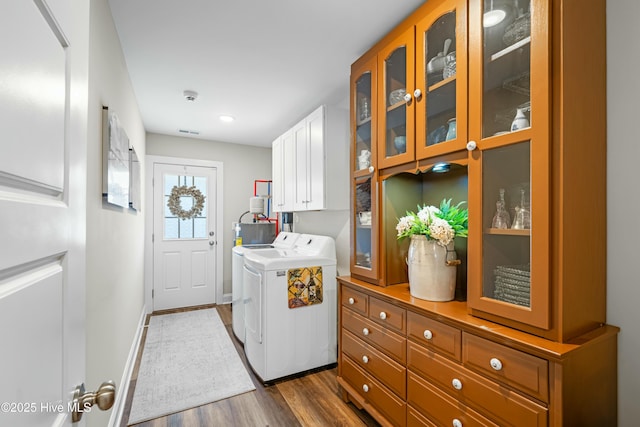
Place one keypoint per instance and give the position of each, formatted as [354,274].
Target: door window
[185,207]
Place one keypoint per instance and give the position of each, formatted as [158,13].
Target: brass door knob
[84,400]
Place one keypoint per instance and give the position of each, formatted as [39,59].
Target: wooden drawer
[520,370]
[435,335]
[416,419]
[387,371]
[389,315]
[392,344]
[440,407]
[501,403]
[374,393]
[355,300]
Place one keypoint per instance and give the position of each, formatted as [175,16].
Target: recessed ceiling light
[227,119]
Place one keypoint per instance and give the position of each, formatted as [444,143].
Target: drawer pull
[496,364]
[383,315]
[352,301]
[457,384]
[457,423]
[365,359]
[428,334]
[365,388]
[365,331]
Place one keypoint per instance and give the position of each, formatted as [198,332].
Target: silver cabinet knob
[351,301]
[457,423]
[383,315]
[407,97]
[371,169]
[427,334]
[417,93]
[365,388]
[365,331]
[496,364]
[457,384]
[471,145]
[365,359]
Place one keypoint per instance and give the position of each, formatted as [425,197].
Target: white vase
[520,120]
[430,276]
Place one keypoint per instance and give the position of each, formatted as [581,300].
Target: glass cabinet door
[396,107]
[507,67]
[510,160]
[364,221]
[364,260]
[441,78]
[364,150]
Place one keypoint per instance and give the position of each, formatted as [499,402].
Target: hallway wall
[115,236]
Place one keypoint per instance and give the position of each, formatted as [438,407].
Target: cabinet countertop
[455,313]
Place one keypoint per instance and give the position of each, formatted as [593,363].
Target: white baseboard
[226,298]
[123,389]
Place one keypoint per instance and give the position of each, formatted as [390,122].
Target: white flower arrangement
[439,224]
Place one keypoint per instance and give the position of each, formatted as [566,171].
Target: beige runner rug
[188,360]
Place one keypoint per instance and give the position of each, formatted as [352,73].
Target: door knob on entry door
[83,400]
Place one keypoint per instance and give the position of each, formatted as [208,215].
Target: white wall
[623,198]
[329,223]
[115,245]
[243,164]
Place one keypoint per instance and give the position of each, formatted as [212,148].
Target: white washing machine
[284,240]
[290,315]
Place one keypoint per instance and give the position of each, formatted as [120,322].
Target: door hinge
[153,293]
[153,237]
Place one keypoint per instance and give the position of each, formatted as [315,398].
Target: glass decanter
[501,218]
[522,219]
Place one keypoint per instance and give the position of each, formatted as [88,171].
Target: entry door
[43,117]
[184,238]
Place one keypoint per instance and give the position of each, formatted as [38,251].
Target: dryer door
[252,284]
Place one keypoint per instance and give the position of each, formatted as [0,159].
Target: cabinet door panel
[396,118]
[441,76]
[509,172]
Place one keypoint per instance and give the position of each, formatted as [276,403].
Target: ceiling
[266,63]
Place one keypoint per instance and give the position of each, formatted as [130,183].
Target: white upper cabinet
[282,165]
[317,177]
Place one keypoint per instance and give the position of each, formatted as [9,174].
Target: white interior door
[43,116]
[184,242]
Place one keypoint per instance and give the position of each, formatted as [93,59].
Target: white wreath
[174,201]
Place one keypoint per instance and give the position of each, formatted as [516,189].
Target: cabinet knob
[365,388]
[457,423]
[365,331]
[407,98]
[427,334]
[496,364]
[365,359]
[417,93]
[471,145]
[383,315]
[352,301]
[457,384]
[371,169]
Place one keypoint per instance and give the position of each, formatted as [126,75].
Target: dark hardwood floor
[313,399]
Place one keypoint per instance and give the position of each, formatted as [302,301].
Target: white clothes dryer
[291,310]
[283,240]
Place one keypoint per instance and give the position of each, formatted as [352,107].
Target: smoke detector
[190,95]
